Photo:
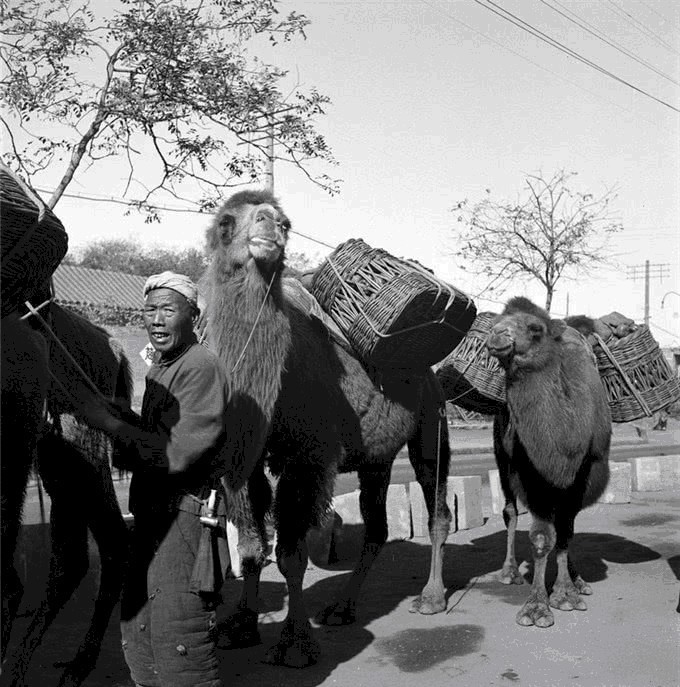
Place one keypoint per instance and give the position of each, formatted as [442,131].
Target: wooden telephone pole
[265,127]
[646,271]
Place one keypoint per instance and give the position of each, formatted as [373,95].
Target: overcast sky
[435,101]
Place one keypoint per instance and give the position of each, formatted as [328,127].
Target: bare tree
[167,86]
[549,231]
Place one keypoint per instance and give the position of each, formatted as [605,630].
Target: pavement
[628,637]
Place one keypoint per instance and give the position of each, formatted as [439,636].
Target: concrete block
[347,507]
[348,527]
[468,500]
[655,473]
[497,497]
[418,510]
[232,539]
[398,512]
[618,489]
[419,514]
[670,471]
[646,474]
[320,541]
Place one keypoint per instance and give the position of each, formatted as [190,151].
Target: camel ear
[557,328]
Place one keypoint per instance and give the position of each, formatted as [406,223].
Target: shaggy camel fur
[314,410]
[551,444]
[73,462]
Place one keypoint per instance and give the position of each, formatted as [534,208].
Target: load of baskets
[637,378]
[397,315]
[33,241]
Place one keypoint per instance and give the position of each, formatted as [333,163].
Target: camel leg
[248,509]
[13,492]
[536,610]
[430,443]
[111,536]
[372,498]
[565,595]
[68,565]
[510,573]
[310,497]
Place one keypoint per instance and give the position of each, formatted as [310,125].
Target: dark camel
[310,409]
[551,444]
[74,463]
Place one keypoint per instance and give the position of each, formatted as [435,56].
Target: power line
[121,201]
[536,64]
[600,36]
[665,20]
[648,33]
[537,33]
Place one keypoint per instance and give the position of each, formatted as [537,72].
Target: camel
[551,444]
[310,410]
[73,462]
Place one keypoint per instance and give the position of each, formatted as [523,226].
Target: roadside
[628,637]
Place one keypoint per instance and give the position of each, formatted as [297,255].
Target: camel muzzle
[500,345]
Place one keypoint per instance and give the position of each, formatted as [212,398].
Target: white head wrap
[177,282]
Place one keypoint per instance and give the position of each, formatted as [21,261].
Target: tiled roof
[74,284]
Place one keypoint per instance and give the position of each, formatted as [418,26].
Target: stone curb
[341,536]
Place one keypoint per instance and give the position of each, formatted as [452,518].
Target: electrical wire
[648,33]
[611,43]
[537,33]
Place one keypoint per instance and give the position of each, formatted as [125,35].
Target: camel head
[524,336]
[250,230]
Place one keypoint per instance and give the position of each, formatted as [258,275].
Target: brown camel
[73,462]
[551,445]
[311,409]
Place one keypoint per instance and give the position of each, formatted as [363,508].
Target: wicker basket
[396,314]
[636,376]
[33,241]
[469,370]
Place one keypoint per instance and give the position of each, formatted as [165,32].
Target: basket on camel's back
[33,241]
[396,314]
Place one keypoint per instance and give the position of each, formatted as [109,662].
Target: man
[170,595]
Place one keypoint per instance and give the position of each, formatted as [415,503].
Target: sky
[435,101]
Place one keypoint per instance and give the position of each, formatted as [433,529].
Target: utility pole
[266,128]
[656,270]
[270,158]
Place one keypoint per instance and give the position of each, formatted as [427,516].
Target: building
[103,296]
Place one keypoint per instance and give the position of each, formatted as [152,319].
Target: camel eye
[535,328]
[226,225]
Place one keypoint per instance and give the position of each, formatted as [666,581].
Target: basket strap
[624,376]
[440,320]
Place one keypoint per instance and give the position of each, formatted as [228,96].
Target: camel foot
[296,648]
[429,602]
[566,598]
[536,611]
[510,574]
[582,586]
[238,631]
[339,613]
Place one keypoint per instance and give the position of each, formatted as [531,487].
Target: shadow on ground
[397,577]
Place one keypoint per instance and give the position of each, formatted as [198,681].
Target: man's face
[168,318]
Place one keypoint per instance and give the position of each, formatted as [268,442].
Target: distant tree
[548,232]
[168,87]
[130,257]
